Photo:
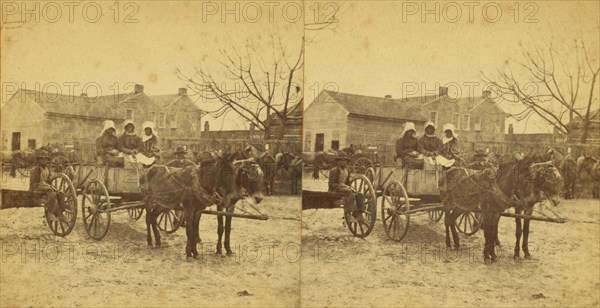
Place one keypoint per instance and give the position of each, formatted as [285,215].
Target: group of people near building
[129,147]
[413,150]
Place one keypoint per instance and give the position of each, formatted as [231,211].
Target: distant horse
[327,158]
[474,191]
[591,166]
[293,167]
[166,187]
[524,180]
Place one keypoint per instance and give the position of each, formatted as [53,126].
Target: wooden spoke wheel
[469,223]
[324,170]
[74,162]
[170,220]
[361,165]
[435,215]
[66,195]
[363,187]
[94,209]
[370,174]
[394,207]
[23,169]
[135,213]
[59,164]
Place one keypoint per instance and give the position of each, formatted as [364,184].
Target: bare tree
[248,85]
[548,83]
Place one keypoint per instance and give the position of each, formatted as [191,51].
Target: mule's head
[547,179]
[249,180]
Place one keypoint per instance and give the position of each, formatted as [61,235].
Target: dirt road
[40,269]
[346,271]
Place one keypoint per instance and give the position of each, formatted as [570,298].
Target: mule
[165,187]
[525,180]
[474,192]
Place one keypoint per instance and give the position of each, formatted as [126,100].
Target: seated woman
[150,141]
[107,146]
[450,151]
[129,142]
[407,148]
[131,146]
[429,144]
[450,144]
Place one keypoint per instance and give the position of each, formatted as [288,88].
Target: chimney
[388,96]
[486,93]
[206,126]
[182,91]
[443,91]
[252,127]
[511,129]
[138,88]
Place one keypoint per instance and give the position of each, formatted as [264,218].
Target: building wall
[25,117]
[329,119]
[366,131]
[183,121]
[593,132]
[491,120]
[293,131]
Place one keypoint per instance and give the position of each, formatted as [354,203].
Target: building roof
[98,107]
[167,100]
[370,106]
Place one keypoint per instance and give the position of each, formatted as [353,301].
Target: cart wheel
[62,183]
[74,162]
[362,185]
[324,170]
[94,206]
[23,169]
[435,215]
[135,213]
[59,164]
[469,223]
[370,174]
[361,165]
[394,205]
[170,220]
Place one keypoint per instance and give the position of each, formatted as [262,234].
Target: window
[152,116]
[477,124]
[456,120]
[162,117]
[466,122]
[129,114]
[335,145]
[433,117]
[31,143]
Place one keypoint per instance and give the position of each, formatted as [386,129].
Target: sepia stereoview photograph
[300,153]
[451,153]
[151,153]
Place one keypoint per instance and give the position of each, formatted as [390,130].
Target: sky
[382,47]
[144,43]
[373,48]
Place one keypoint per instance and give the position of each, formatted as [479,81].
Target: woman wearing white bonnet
[149,147]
